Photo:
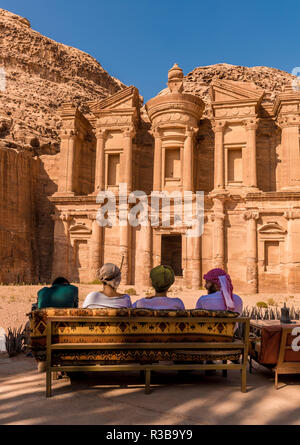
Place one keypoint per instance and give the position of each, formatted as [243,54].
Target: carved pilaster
[249,165]
[128,134]
[290,147]
[95,246]
[219,178]
[101,135]
[218,218]
[188,174]
[252,273]
[157,167]
[66,184]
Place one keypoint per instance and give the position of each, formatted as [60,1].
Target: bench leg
[250,365]
[48,383]
[147,381]
[244,379]
[224,372]
[276,379]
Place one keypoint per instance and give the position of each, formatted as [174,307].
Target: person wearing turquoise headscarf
[162,278]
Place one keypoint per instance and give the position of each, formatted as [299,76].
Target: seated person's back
[220,296]
[162,278]
[61,294]
[110,277]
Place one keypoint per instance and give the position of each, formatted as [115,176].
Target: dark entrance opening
[171,252]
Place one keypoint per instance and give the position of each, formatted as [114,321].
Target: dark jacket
[58,295]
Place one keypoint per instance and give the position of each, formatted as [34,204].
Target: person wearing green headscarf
[162,278]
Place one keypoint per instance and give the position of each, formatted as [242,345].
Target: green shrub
[261,304]
[271,302]
[130,291]
[95,282]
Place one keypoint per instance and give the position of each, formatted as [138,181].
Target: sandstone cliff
[41,74]
[272,80]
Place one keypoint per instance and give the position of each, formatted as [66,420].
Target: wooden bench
[186,343]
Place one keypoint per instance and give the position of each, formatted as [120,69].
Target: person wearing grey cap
[110,277]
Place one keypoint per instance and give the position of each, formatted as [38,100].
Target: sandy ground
[175,400]
[16,301]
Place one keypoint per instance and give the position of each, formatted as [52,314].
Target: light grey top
[96,300]
[159,303]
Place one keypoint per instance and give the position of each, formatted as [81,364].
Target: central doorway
[171,252]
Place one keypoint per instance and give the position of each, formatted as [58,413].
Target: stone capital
[292,214]
[217,217]
[191,131]
[101,133]
[251,124]
[219,125]
[251,214]
[156,132]
[66,217]
[129,132]
[55,217]
[66,133]
[92,216]
[287,121]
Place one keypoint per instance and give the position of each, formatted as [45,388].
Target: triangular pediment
[230,90]
[122,100]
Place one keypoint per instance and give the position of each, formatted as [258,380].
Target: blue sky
[139,40]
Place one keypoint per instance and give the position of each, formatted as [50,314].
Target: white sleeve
[87,300]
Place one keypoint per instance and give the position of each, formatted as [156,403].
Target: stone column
[252,274]
[124,253]
[144,256]
[251,174]
[157,167]
[192,273]
[290,149]
[66,218]
[95,260]
[66,184]
[218,218]
[219,168]
[127,136]
[292,272]
[61,257]
[100,161]
[188,175]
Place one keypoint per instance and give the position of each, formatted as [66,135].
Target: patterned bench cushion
[127,331]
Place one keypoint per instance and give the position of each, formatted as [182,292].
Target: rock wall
[37,75]
[19,257]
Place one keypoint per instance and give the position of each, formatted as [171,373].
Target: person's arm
[199,304]
[181,305]
[39,299]
[76,300]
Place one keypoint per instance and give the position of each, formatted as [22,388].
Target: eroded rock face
[41,74]
[271,80]
[37,75]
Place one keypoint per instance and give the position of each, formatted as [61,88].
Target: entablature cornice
[286,121]
[234,111]
[287,103]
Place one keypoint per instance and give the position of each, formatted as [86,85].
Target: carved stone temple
[243,153]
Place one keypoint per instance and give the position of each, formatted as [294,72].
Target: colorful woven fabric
[128,331]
